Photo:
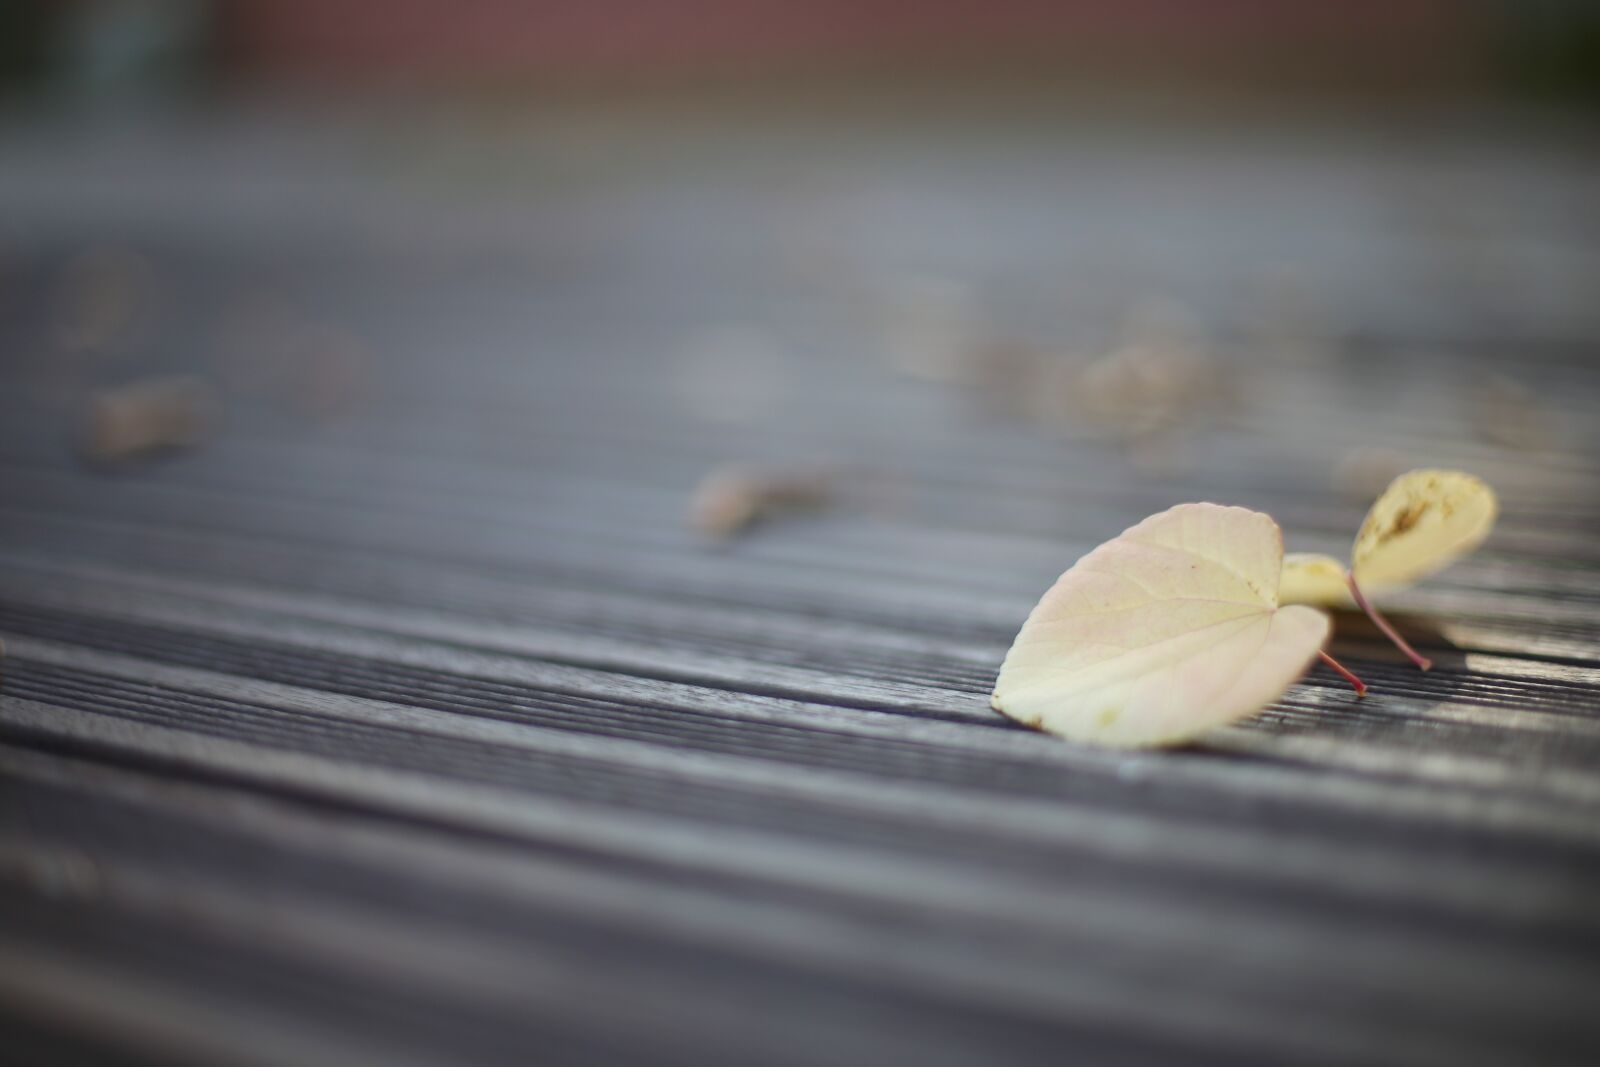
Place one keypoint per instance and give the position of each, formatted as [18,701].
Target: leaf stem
[1344,672]
[1422,662]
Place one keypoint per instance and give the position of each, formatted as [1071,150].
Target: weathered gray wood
[426,732]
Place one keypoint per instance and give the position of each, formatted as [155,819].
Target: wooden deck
[405,721]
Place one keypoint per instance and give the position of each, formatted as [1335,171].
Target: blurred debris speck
[1136,390]
[148,417]
[731,498]
[1159,378]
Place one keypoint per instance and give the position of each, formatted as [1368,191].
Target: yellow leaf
[1162,633]
[1312,578]
[1422,523]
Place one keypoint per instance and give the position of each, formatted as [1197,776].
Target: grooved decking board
[423,731]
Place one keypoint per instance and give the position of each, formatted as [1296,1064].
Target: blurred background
[655,414]
[1084,218]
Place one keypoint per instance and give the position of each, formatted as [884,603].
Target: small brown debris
[150,416]
[1160,376]
[1137,390]
[731,498]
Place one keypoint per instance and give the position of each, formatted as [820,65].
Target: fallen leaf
[1424,521]
[1313,578]
[1162,633]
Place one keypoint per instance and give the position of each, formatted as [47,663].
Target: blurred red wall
[444,40]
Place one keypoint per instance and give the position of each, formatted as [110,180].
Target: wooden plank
[426,731]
